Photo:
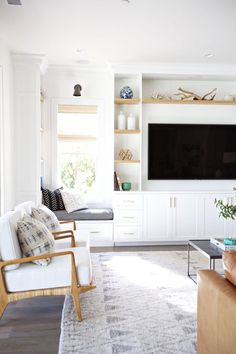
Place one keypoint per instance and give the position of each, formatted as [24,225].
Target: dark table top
[207,248]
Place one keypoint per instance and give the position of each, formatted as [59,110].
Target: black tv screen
[191,151]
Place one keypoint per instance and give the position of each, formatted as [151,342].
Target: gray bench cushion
[86,214]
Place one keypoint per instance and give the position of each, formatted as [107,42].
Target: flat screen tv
[191,151]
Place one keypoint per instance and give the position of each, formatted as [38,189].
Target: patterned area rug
[144,303]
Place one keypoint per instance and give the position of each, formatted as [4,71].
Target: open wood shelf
[127,161]
[126,131]
[127,100]
[199,102]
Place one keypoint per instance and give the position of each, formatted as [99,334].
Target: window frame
[54,136]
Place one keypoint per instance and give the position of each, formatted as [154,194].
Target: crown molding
[205,69]
[101,67]
[30,59]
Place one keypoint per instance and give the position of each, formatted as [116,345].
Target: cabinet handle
[174,202]
[128,233]
[170,202]
[128,201]
[128,217]
[95,232]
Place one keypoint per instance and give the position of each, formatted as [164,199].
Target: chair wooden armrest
[68,222]
[35,258]
[65,234]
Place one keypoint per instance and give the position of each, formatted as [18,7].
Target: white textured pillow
[35,239]
[45,216]
[73,201]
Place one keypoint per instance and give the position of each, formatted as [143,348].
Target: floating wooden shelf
[127,100]
[126,131]
[200,102]
[127,161]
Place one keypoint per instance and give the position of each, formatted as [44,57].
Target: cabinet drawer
[98,232]
[128,201]
[129,233]
[128,217]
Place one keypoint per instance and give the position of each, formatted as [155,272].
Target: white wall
[97,89]
[7,126]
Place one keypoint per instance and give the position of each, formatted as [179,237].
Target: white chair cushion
[56,275]
[82,239]
[9,245]
[25,207]
[46,216]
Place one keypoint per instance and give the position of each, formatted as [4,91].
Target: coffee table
[208,249]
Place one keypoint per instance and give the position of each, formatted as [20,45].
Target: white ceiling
[117,31]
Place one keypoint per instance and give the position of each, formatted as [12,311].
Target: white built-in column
[27,123]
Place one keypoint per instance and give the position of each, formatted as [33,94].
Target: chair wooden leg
[76,299]
[3,305]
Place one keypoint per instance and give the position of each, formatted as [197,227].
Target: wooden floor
[32,326]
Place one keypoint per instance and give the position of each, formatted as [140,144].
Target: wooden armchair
[68,273]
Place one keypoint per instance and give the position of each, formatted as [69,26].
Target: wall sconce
[77,90]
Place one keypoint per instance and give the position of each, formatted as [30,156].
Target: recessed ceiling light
[208,55]
[83,61]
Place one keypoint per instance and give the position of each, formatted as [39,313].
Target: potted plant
[227,211]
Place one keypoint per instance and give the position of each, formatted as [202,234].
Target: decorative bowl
[126,186]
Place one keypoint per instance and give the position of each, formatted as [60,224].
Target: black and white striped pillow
[52,199]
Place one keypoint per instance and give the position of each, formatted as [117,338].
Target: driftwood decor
[157,96]
[189,95]
[125,154]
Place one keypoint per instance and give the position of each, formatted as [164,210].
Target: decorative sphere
[126,92]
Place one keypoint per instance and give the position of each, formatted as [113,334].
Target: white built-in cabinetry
[128,217]
[128,170]
[168,211]
[152,217]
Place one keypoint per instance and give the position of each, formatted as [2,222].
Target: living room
[120,120]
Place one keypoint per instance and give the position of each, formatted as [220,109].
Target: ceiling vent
[14,2]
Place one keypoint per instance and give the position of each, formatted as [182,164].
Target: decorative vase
[121,121]
[131,122]
[126,92]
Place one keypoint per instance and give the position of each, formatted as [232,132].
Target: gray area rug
[144,303]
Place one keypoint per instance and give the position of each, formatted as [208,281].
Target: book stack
[225,244]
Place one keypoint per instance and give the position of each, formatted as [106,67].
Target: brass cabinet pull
[170,202]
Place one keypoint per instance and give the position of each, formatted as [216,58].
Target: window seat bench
[93,213]
[97,219]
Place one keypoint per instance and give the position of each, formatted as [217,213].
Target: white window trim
[54,153]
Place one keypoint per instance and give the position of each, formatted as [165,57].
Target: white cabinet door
[127,233]
[101,233]
[185,213]
[213,225]
[157,217]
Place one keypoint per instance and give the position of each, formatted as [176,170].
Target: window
[77,146]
